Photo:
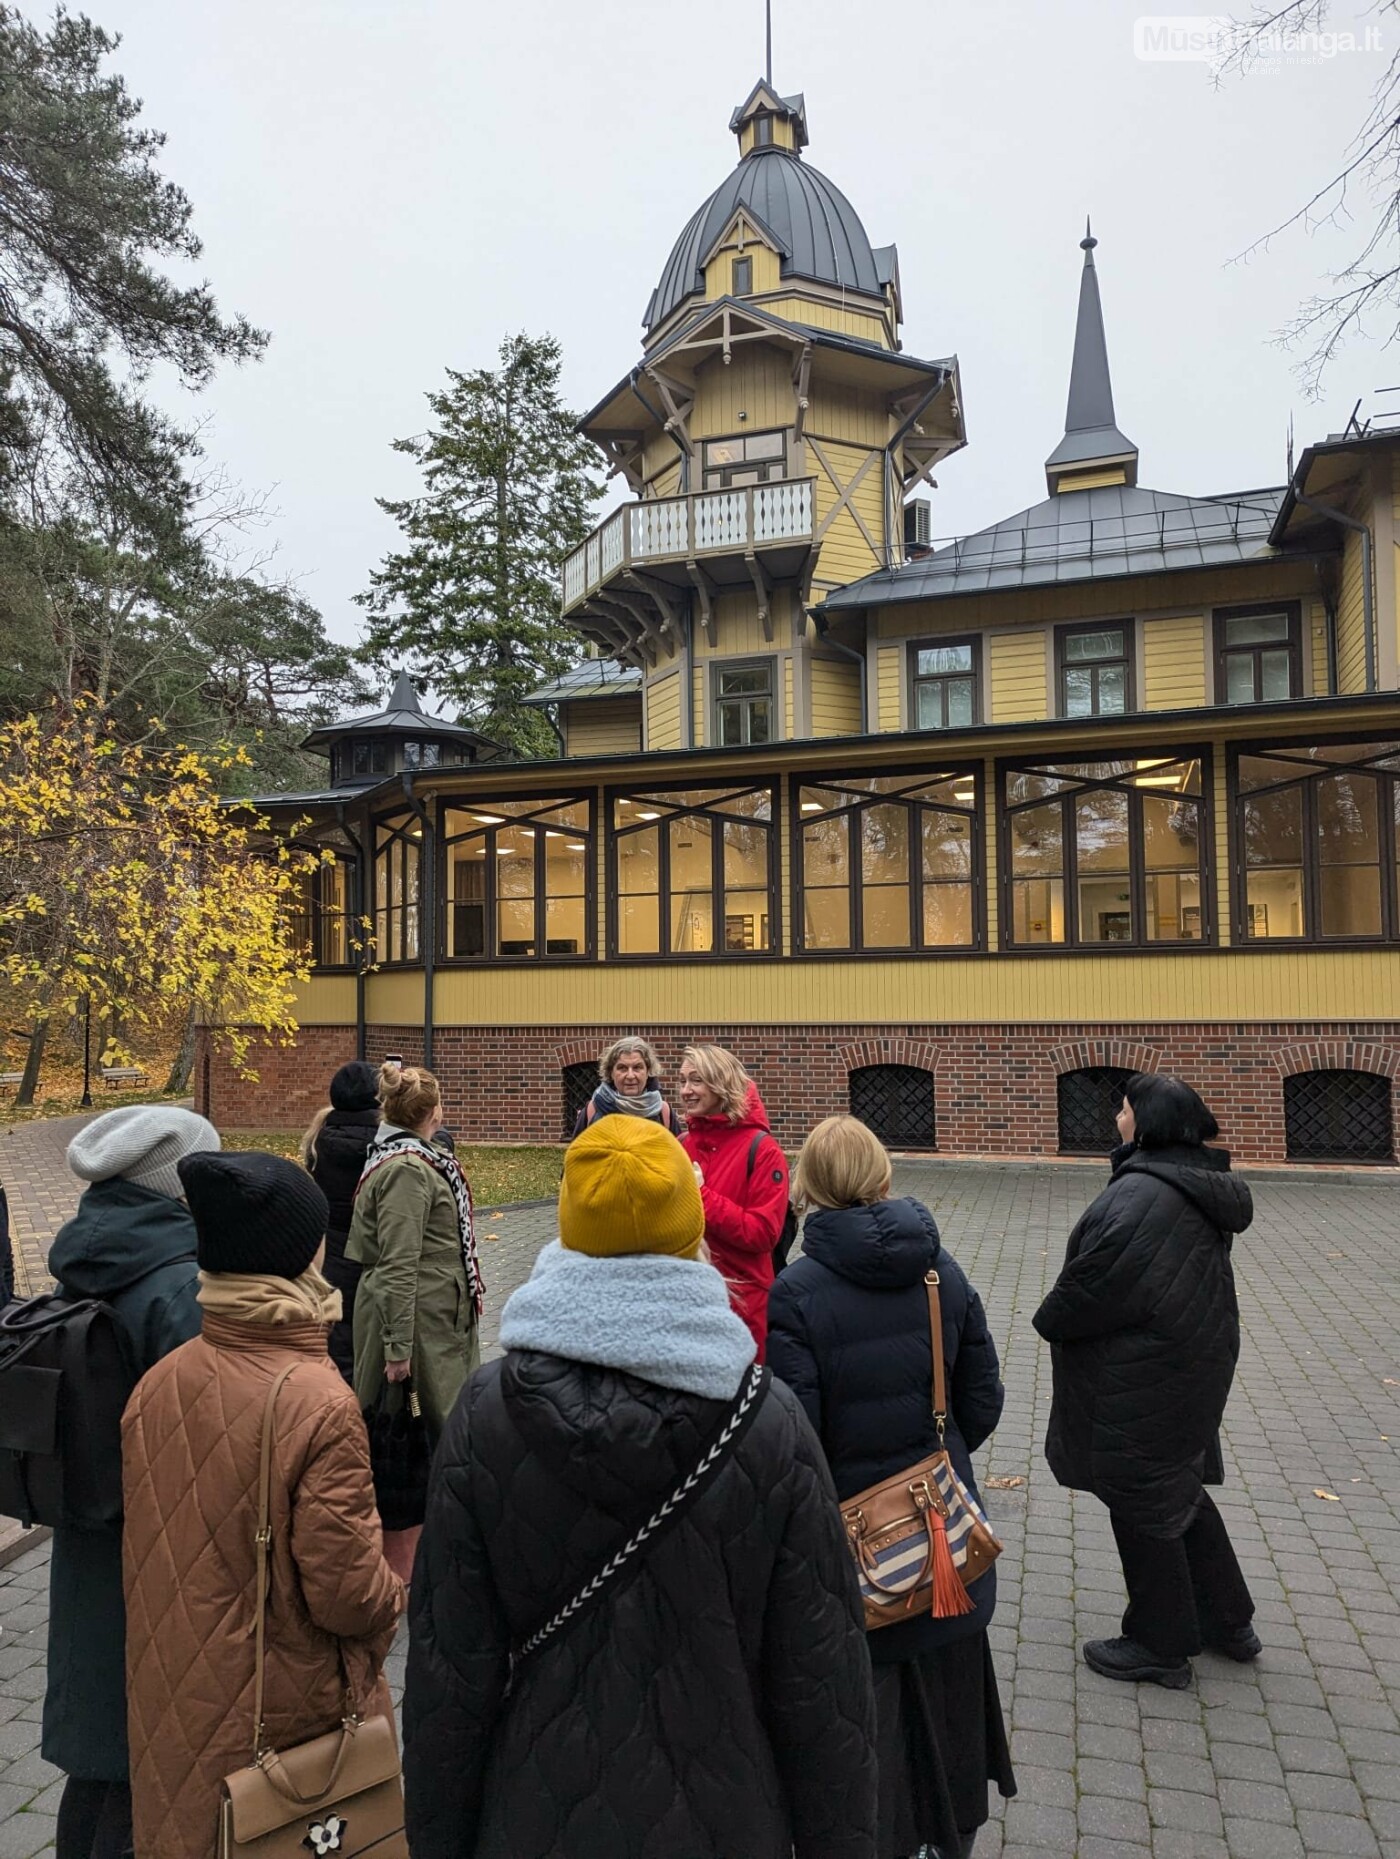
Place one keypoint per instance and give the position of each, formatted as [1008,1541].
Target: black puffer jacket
[718,1706]
[848,1332]
[341,1143]
[1144,1331]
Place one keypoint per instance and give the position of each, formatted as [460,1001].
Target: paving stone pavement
[1297,1755]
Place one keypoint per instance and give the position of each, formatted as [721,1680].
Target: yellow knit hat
[629,1187]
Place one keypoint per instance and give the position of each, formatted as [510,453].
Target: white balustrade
[574,582]
[610,538]
[659,529]
[782,511]
[593,557]
[721,520]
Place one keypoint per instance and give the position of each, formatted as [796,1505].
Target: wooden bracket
[701,583]
[764,592]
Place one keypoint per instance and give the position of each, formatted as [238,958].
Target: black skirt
[940,1739]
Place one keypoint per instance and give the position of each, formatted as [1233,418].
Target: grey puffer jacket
[1144,1330]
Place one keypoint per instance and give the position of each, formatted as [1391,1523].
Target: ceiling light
[577,845]
[648,816]
[490,819]
[811,806]
[964,793]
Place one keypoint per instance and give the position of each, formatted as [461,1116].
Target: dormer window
[763,132]
[421,754]
[741,278]
[358,759]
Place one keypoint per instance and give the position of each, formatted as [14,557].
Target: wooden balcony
[627,584]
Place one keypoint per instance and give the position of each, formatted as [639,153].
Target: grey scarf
[648,1103]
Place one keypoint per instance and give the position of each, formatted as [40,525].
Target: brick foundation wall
[995,1085]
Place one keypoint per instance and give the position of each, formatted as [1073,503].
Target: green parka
[412,1302]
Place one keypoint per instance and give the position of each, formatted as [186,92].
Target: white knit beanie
[140,1143]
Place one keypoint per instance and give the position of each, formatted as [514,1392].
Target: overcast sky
[389,186]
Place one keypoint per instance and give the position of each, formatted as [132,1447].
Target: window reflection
[692,872]
[517,879]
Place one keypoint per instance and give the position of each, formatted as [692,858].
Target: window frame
[1078,628]
[745,261]
[311,907]
[1221,652]
[1311,866]
[772,470]
[913,680]
[953,769]
[767,662]
[613,835]
[1207,869]
[541,803]
[403,837]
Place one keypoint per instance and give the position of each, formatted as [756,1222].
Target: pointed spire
[405,695]
[1092,438]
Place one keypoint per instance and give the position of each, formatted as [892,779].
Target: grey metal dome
[816,226]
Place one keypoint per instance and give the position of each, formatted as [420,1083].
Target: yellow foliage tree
[126,882]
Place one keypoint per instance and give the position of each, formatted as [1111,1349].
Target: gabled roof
[763,98]
[1091,433]
[593,677]
[402,715]
[1106,534]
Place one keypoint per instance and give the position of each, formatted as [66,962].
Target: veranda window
[692,872]
[1318,827]
[398,867]
[321,917]
[518,879]
[888,861]
[1104,852]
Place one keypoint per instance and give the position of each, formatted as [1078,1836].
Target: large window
[693,872]
[1258,655]
[1104,852]
[355,760]
[1318,828]
[888,861]
[944,677]
[1094,668]
[753,458]
[321,919]
[518,879]
[744,703]
[398,868]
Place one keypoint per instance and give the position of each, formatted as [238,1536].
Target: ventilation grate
[580,1082]
[1088,1101]
[1336,1116]
[896,1101]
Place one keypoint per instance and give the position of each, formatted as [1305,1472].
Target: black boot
[1130,1660]
[1241,1645]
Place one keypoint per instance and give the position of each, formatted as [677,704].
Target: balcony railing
[679,529]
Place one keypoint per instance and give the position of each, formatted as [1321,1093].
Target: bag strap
[935,1330]
[721,1446]
[263,1542]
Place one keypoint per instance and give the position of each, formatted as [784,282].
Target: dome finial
[1088,242]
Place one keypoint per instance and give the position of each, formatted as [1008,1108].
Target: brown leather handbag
[920,1537]
[339,1793]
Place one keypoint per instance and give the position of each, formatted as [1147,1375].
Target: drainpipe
[1367,600]
[427,912]
[361,894]
[822,625]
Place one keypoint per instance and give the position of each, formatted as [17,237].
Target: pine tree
[471,604]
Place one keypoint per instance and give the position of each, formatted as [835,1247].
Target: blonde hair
[308,1142]
[725,1076]
[633,1042]
[407,1094]
[842,1164]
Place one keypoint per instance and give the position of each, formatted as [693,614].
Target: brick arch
[1338,1054]
[1126,1054]
[578,1052]
[856,1054]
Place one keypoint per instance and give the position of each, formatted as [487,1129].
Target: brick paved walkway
[1296,1755]
[41,1193]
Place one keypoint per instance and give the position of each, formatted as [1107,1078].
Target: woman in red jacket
[743,1176]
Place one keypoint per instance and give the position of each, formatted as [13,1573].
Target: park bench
[8,1078]
[114,1076]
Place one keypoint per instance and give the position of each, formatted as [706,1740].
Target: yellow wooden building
[952,835]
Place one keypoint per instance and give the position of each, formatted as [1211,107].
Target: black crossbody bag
[626,1562]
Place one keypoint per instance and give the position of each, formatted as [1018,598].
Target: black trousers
[94,1820]
[1186,1592]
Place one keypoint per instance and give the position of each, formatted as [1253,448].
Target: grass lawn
[499,1175]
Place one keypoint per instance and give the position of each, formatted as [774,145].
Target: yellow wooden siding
[845,553]
[757,383]
[1315,645]
[1174,663]
[719,273]
[789,727]
[329,1000]
[1197,591]
[991,851]
[1018,676]
[1223,934]
[738,629]
[1351,619]
[887,681]
[1091,480]
[866,325]
[836,411]
[663,700]
[835,698]
[602,726]
[700,722]
[1277,985]
[394,997]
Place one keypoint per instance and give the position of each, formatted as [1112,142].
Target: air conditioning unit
[918,526]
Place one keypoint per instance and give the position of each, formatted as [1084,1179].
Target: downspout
[1329,629]
[1367,600]
[361,893]
[427,883]
[822,625]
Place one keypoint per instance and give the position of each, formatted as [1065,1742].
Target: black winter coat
[341,1143]
[718,1705]
[848,1332]
[1144,1330]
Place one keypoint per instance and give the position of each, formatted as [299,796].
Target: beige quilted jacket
[190,1443]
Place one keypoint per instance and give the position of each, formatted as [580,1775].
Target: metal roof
[402,715]
[1093,535]
[593,677]
[816,227]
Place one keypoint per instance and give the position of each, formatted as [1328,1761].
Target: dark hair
[1167,1112]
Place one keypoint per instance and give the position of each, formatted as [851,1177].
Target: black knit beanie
[253,1213]
[355,1087]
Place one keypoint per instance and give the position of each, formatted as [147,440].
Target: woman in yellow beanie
[637,1628]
